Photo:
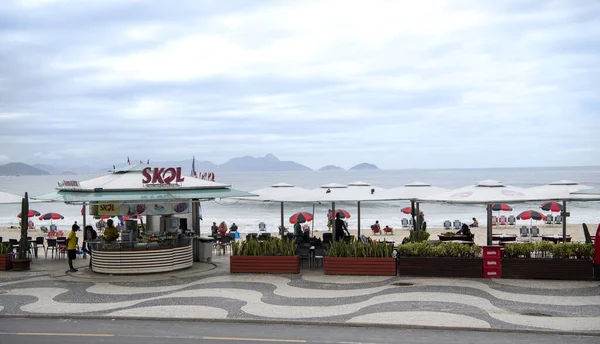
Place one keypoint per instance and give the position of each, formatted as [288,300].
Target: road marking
[256,339]
[59,334]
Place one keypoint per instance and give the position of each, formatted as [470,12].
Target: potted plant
[22,262]
[5,258]
[445,259]
[273,255]
[546,260]
[357,258]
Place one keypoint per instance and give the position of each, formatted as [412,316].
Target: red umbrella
[342,212]
[551,206]
[32,213]
[408,210]
[301,217]
[501,207]
[531,214]
[51,216]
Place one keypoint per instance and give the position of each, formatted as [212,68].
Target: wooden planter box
[360,266]
[265,264]
[21,264]
[440,267]
[5,261]
[539,268]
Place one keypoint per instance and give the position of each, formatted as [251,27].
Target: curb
[304,323]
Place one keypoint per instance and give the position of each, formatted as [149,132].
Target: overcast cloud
[401,84]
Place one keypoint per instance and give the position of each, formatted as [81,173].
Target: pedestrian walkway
[209,291]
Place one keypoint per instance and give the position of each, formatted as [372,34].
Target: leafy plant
[449,234]
[357,249]
[444,249]
[418,236]
[269,247]
[546,249]
[3,248]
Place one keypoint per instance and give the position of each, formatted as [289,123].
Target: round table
[452,237]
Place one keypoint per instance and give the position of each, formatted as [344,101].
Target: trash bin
[203,247]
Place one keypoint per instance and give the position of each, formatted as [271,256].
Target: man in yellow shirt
[111,233]
[72,246]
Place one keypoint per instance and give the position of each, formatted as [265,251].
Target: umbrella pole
[418,217]
[412,214]
[564,220]
[489,225]
[358,219]
[84,244]
[333,221]
[282,224]
[313,222]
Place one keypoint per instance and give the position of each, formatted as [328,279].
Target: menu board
[148,208]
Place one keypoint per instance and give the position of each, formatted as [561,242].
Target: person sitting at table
[466,231]
[475,223]
[297,230]
[223,228]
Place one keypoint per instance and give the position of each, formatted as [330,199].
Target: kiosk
[165,197]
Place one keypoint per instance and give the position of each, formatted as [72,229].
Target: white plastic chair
[447,225]
[457,224]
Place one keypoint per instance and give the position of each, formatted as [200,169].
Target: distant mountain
[261,164]
[52,169]
[20,169]
[331,168]
[48,168]
[364,167]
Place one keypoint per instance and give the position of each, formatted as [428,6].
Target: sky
[400,84]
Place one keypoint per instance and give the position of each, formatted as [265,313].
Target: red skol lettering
[157,176]
[147,176]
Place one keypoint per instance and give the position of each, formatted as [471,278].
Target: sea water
[248,214]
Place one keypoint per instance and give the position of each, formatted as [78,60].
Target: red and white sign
[161,175]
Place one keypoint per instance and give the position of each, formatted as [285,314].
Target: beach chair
[535,232]
[549,219]
[524,232]
[558,220]
[457,224]
[375,229]
[404,222]
[388,230]
[512,221]
[262,227]
[447,225]
[494,220]
[502,221]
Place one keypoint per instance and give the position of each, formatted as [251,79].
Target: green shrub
[545,249]
[357,249]
[3,248]
[418,236]
[444,249]
[269,247]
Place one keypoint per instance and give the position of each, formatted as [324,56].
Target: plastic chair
[494,221]
[457,224]
[388,230]
[262,227]
[404,222]
[39,241]
[61,243]
[524,232]
[51,245]
[535,232]
[549,219]
[375,229]
[502,221]
[558,220]
[225,243]
[512,221]
[447,225]
[303,252]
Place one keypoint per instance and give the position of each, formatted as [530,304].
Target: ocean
[247,215]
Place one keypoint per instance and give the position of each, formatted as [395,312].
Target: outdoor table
[452,237]
[555,238]
[465,242]
[502,238]
[385,240]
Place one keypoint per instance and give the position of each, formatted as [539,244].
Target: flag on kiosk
[128,162]
[193,174]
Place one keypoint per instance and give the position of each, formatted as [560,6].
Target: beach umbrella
[301,217]
[552,206]
[531,215]
[407,210]
[31,213]
[342,212]
[51,216]
[501,207]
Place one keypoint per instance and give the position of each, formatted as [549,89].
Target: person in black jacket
[89,234]
[341,230]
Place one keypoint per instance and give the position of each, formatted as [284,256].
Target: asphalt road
[66,331]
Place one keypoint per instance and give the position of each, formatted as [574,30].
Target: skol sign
[159,175]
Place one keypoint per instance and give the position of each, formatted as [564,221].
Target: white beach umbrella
[485,192]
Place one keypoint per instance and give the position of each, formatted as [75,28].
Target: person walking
[341,230]
[72,246]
